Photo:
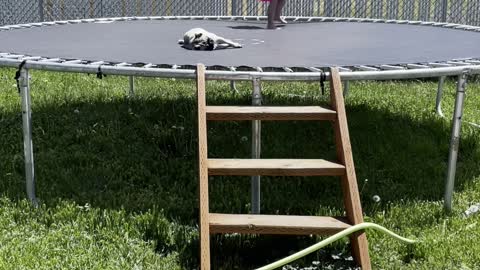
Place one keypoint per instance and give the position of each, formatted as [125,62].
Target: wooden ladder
[211,223]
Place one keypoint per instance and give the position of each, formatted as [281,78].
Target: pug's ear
[197,35]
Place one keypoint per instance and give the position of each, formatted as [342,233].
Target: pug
[201,39]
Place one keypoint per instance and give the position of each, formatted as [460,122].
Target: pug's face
[201,42]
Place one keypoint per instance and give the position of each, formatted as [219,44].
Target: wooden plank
[230,113]
[349,180]
[203,170]
[275,224]
[277,167]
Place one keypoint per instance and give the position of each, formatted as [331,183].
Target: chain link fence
[15,11]
[454,11]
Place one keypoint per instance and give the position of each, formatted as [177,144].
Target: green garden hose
[331,239]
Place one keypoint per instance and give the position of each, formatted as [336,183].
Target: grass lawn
[117,177]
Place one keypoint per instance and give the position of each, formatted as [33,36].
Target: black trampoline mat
[317,44]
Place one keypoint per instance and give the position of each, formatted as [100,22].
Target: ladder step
[277,167]
[275,224]
[230,113]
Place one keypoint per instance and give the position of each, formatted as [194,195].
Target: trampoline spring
[13,56]
[123,64]
[458,63]
[367,68]
[50,60]
[391,67]
[344,69]
[436,64]
[475,62]
[75,61]
[314,69]
[417,66]
[97,63]
[31,58]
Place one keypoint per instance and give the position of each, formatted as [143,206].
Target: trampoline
[300,44]
[363,49]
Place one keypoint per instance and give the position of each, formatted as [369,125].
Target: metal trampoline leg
[27,135]
[131,81]
[438,102]
[233,87]
[256,145]
[346,88]
[454,141]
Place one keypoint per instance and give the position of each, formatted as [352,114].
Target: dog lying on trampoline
[201,40]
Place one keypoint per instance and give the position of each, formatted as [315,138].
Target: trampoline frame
[460,68]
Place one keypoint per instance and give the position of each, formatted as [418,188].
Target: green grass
[117,177]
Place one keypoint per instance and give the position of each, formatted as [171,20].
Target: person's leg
[272,9]
[278,11]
